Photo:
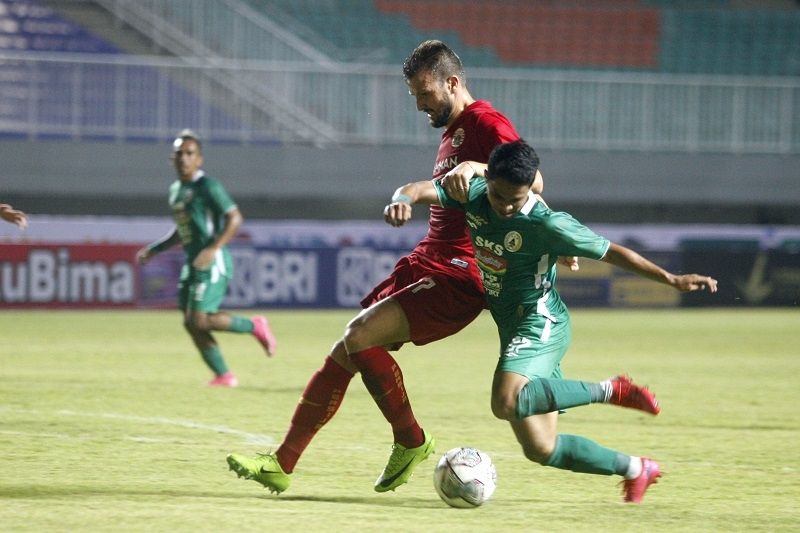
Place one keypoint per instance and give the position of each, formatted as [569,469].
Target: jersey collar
[197,175]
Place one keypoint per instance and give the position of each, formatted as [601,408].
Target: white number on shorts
[424,283]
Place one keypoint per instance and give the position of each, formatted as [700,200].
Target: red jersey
[438,284]
[470,138]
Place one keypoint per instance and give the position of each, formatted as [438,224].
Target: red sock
[384,380]
[321,398]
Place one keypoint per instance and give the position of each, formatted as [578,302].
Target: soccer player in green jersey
[517,241]
[206,219]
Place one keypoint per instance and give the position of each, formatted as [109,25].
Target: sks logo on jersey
[475,221]
[458,138]
[492,247]
[490,262]
[513,241]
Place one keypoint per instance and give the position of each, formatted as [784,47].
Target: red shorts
[437,301]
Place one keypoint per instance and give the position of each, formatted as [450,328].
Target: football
[465,477]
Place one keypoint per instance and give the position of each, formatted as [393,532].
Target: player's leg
[543,395]
[542,444]
[534,348]
[432,307]
[319,402]
[321,398]
[204,295]
[429,308]
[258,326]
[209,349]
[325,392]
[382,324]
[214,287]
[537,433]
[385,324]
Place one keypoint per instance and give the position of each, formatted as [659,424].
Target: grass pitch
[106,425]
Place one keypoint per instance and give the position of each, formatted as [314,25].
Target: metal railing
[124,97]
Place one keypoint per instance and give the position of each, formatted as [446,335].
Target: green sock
[240,324]
[213,358]
[580,454]
[542,395]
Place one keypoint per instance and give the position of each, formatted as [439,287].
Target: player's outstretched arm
[164,243]
[398,211]
[627,259]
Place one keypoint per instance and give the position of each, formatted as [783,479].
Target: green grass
[106,425]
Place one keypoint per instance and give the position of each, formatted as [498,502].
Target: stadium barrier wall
[52,275]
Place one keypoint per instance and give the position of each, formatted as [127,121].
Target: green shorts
[201,290]
[535,347]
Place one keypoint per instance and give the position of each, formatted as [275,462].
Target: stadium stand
[703,36]
[618,34]
[29,25]
[356,30]
[69,99]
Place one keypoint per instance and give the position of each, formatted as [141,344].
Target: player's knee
[199,323]
[354,335]
[504,406]
[537,451]
[339,354]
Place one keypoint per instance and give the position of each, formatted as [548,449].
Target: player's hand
[695,282]
[15,216]
[569,261]
[144,255]
[456,182]
[205,258]
[397,213]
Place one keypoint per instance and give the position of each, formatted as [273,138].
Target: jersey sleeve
[477,188]
[570,237]
[219,196]
[444,199]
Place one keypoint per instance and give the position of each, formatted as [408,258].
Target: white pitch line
[250,438]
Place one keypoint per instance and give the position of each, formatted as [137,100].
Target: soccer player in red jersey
[433,292]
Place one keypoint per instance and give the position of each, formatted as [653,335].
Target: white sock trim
[608,390]
[634,468]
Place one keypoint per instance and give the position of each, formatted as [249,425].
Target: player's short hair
[515,162]
[435,57]
[184,135]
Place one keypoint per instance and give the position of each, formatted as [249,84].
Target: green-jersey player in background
[206,219]
[517,241]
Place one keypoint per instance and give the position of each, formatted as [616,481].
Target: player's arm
[629,260]
[15,216]
[456,181]
[233,221]
[156,247]
[398,211]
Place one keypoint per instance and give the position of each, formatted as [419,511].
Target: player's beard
[440,118]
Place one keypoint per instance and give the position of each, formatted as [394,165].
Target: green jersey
[517,255]
[199,209]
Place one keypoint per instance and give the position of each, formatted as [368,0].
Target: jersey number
[424,283]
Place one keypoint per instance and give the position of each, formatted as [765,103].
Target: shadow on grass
[393,502]
[35,492]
